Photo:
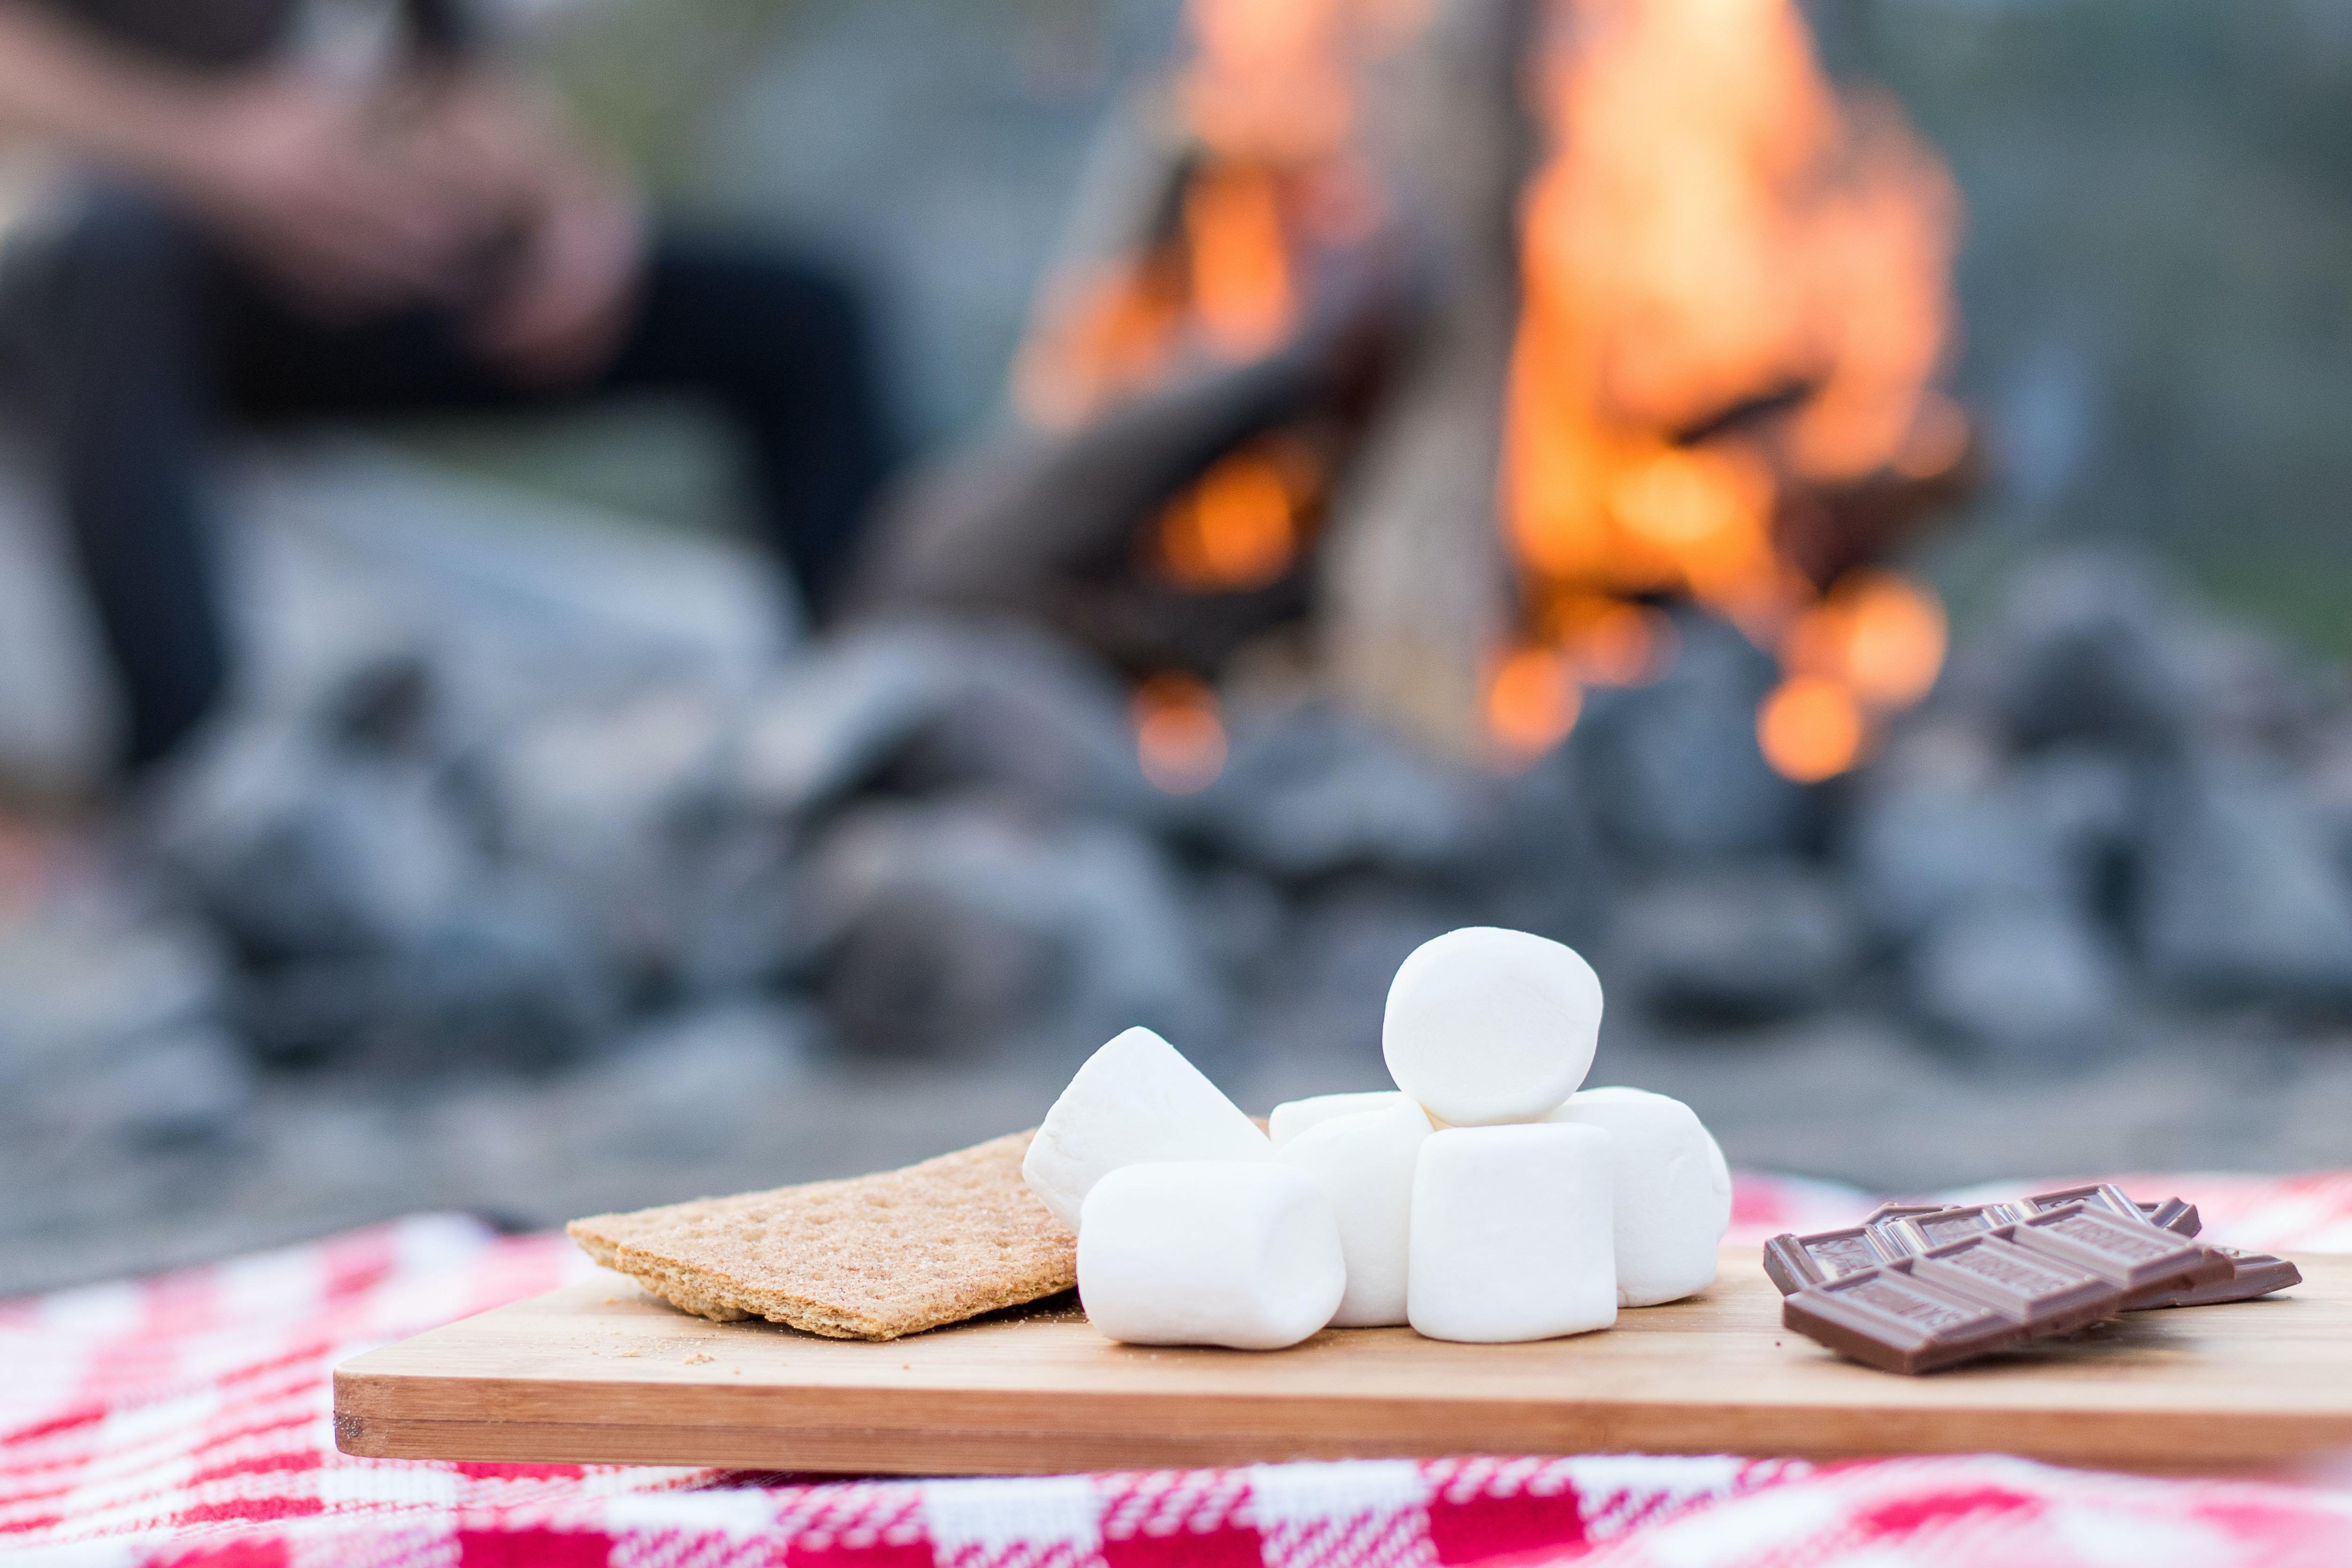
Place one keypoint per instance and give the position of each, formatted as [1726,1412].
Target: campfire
[1547,383]
[1716,299]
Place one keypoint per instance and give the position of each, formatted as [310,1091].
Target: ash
[541,872]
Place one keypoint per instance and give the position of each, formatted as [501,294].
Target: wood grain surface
[599,1371]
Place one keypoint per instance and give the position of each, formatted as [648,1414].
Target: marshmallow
[1364,1164]
[1673,1190]
[1210,1252]
[1293,1116]
[1486,1025]
[1510,1235]
[1135,1099]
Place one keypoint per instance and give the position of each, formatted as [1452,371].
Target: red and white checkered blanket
[186,1421]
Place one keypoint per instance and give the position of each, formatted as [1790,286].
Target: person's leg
[111,340]
[783,347]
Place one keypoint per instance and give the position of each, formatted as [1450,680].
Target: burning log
[1416,590]
[1210,343]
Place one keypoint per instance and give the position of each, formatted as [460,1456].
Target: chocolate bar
[1901,1230]
[1984,1292]
[1985,1277]
[2252,1274]
[1886,1317]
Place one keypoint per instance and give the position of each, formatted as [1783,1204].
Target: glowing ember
[1532,701]
[1809,729]
[1718,246]
[1878,634]
[1242,524]
[1180,738]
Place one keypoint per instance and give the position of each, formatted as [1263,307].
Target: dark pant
[140,339]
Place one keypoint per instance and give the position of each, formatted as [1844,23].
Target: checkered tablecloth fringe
[186,1420]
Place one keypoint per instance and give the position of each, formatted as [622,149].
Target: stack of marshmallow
[1485,1200]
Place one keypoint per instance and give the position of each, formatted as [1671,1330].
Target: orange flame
[1268,95]
[1180,736]
[1809,729]
[1242,524]
[1715,231]
[1877,632]
[1532,701]
[1241,261]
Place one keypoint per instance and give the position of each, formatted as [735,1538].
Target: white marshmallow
[1210,1252]
[1364,1164]
[1673,1190]
[1293,1116]
[1510,1235]
[1135,1099]
[1486,1025]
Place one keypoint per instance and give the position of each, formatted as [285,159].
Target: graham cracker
[871,1257]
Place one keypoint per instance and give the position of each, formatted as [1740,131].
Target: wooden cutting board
[599,1371]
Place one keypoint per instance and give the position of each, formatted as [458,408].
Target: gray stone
[836,716]
[1319,1012]
[57,707]
[1312,791]
[505,980]
[177,1085]
[1032,718]
[683,1085]
[345,543]
[94,967]
[113,1031]
[1922,846]
[1742,945]
[1674,768]
[2241,897]
[299,848]
[618,807]
[1239,920]
[2093,646]
[940,707]
[959,926]
[2026,983]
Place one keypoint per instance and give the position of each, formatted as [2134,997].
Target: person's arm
[282,164]
[556,309]
[58,82]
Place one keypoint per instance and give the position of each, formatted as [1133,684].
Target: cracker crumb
[698,1358]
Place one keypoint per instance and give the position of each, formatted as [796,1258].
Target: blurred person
[259,239]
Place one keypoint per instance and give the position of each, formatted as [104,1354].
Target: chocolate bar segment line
[2147,1263]
[1886,1317]
[1917,1233]
[2046,1295]
[2099,1195]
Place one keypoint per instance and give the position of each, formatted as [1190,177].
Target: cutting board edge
[996,1431]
